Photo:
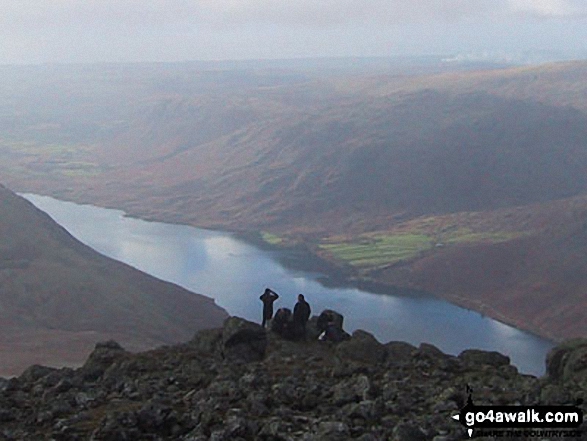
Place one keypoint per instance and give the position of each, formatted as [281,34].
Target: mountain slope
[315,154]
[337,156]
[53,287]
[348,162]
[525,265]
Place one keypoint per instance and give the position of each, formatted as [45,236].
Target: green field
[376,250]
[37,159]
[271,239]
[464,235]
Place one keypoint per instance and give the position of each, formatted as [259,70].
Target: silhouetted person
[268,297]
[301,315]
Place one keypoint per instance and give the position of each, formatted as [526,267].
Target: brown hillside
[536,280]
[54,289]
[319,158]
[306,156]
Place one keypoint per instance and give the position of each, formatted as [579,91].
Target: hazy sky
[34,31]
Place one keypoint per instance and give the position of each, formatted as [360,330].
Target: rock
[117,426]
[332,430]
[237,426]
[553,393]
[6,415]
[328,315]
[35,372]
[368,437]
[207,341]
[354,389]
[408,432]
[575,367]
[4,384]
[567,362]
[312,331]
[399,351]
[156,417]
[298,391]
[362,347]
[102,357]
[430,355]
[368,410]
[477,357]
[243,340]
[329,325]
[431,351]
[275,429]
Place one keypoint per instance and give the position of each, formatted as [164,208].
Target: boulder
[408,432]
[329,324]
[477,357]
[207,341]
[328,315]
[575,368]
[431,351]
[566,360]
[398,351]
[102,357]
[352,390]
[332,430]
[312,331]
[35,372]
[362,347]
[243,340]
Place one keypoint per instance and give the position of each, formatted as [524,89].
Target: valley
[469,184]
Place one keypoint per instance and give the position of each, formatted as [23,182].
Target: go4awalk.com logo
[552,421]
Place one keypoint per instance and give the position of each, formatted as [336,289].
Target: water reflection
[235,274]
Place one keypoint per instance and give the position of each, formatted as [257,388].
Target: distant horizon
[108,31]
[528,59]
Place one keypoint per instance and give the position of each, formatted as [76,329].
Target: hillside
[240,382]
[524,265]
[344,164]
[354,153]
[58,297]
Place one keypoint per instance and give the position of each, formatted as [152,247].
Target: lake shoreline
[300,257]
[336,276]
[389,313]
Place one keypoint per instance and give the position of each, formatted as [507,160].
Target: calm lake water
[235,273]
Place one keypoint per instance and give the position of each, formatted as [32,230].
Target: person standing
[268,297]
[301,315]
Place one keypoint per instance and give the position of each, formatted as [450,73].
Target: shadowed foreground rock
[241,383]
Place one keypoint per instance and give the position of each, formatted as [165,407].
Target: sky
[73,31]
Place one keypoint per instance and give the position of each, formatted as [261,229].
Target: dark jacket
[268,297]
[301,312]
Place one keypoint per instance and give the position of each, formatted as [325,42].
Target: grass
[464,235]
[377,250]
[29,158]
[272,239]
[370,251]
[80,168]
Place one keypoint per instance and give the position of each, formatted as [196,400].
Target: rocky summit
[241,382]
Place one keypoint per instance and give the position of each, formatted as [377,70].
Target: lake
[235,273]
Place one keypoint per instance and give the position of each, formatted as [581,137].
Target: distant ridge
[59,297]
